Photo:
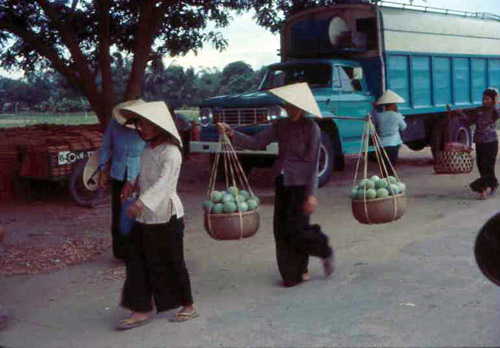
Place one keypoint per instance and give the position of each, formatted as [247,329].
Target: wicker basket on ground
[453,162]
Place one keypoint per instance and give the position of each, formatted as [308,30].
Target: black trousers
[295,238]
[119,241]
[393,154]
[486,156]
[156,270]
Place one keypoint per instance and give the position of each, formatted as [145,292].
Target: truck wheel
[325,159]
[80,194]
[416,145]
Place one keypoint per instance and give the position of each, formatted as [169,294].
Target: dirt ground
[413,282]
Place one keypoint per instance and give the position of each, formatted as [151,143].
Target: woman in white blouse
[156,271]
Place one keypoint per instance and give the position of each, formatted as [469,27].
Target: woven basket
[232,226]
[453,162]
[379,210]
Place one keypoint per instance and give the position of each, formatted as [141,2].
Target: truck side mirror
[357,73]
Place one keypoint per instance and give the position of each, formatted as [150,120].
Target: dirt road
[411,283]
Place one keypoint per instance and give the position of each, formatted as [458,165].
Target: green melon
[402,187]
[382,183]
[374,178]
[240,199]
[245,194]
[371,193]
[232,190]
[256,199]
[207,206]
[218,208]
[216,196]
[227,197]
[393,189]
[229,207]
[252,204]
[382,192]
[243,207]
[392,180]
[354,193]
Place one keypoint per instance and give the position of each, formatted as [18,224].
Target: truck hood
[242,100]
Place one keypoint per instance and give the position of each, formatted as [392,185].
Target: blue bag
[126,222]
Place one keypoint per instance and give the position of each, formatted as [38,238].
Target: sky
[258,47]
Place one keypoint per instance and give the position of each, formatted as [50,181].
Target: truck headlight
[206,116]
[276,112]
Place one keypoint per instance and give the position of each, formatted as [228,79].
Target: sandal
[482,195]
[131,322]
[179,317]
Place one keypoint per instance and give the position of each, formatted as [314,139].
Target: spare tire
[80,194]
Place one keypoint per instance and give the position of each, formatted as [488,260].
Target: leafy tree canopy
[78,38]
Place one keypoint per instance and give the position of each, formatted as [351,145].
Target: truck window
[318,76]
[343,79]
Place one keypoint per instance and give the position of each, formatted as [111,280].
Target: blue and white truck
[349,53]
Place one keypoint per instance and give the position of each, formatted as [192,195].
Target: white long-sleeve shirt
[160,168]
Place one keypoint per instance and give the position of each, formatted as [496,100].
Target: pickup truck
[350,53]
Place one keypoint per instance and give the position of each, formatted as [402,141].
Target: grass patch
[30,119]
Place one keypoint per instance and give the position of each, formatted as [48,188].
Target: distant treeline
[49,92]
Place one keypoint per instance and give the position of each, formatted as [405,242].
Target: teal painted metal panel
[479,78]
[398,77]
[421,82]
[442,82]
[461,78]
[494,73]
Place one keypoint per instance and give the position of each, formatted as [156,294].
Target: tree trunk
[105,61]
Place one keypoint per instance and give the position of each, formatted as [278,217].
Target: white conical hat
[299,95]
[390,97]
[91,174]
[156,112]
[122,119]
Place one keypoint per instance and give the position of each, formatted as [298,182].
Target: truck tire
[325,166]
[80,194]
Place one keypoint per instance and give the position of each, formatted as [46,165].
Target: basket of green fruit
[232,213]
[378,200]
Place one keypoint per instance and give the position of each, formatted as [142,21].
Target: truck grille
[241,116]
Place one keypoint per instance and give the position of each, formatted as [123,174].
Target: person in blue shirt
[389,123]
[120,165]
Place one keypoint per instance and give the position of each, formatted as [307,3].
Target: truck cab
[338,87]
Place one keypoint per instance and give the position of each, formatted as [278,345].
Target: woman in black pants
[296,171]
[485,136]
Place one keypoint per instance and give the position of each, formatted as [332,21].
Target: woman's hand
[310,205]
[127,191]
[223,128]
[135,209]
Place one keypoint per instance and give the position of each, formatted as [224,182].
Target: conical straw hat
[390,97]
[156,112]
[119,117]
[299,95]
[90,172]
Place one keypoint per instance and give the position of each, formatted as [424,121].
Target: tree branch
[32,40]
[80,61]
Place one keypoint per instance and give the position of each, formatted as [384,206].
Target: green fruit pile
[230,201]
[375,187]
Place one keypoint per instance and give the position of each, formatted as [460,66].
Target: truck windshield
[318,76]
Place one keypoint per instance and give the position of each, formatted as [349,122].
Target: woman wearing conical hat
[296,172]
[156,271]
[389,123]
